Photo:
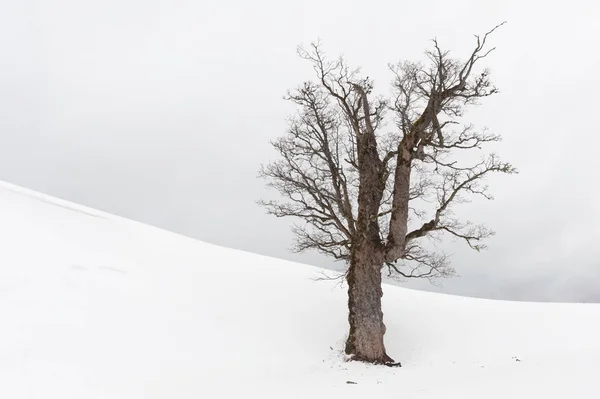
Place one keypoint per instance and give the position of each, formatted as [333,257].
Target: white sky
[161,111]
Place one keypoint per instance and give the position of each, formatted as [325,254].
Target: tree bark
[365,340]
[396,241]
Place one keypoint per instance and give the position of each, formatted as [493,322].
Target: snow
[97,306]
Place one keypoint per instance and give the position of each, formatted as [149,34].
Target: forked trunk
[365,340]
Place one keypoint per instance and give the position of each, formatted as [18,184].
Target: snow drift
[97,306]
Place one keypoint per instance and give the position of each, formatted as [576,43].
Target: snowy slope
[96,306]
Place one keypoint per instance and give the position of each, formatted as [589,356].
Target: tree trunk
[365,340]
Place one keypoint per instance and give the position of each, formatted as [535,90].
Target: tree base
[386,361]
[394,364]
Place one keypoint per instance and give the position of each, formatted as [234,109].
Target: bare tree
[365,195]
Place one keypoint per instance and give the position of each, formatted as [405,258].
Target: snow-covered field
[96,306]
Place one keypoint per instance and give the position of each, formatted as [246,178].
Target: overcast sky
[162,112]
